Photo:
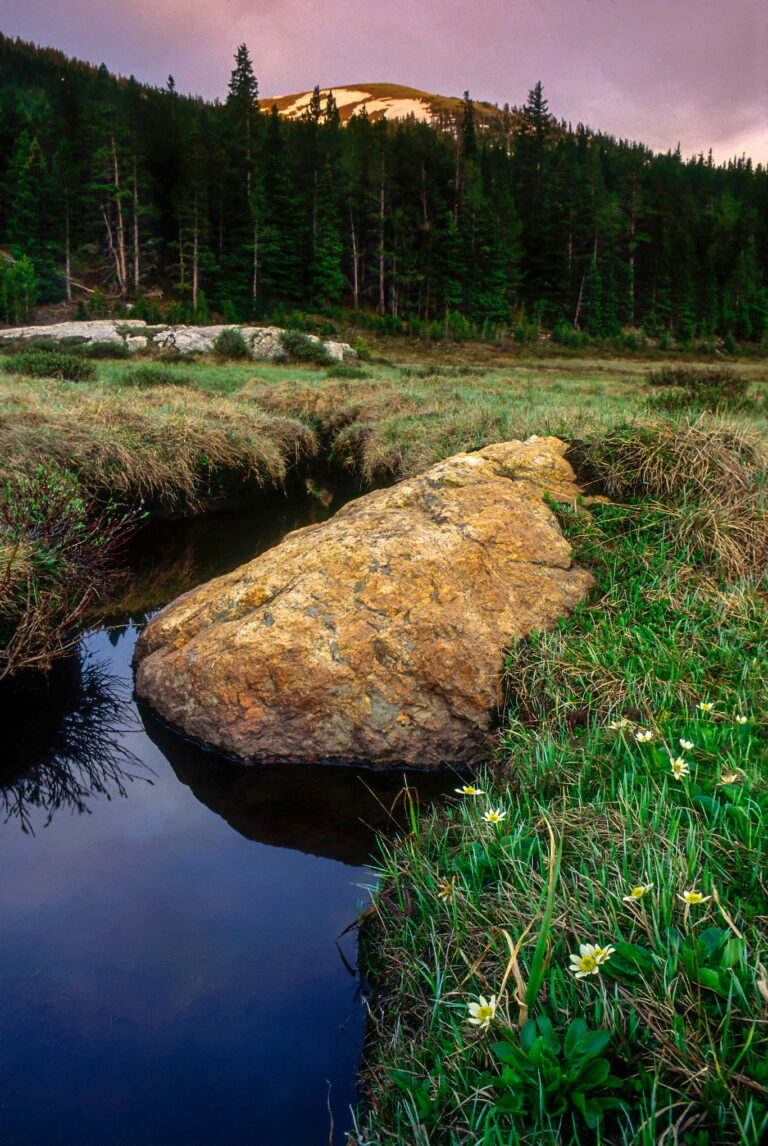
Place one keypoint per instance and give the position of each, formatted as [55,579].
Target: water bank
[172,972]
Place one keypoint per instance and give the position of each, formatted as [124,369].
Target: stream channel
[170,971]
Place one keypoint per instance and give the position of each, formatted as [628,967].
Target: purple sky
[659,71]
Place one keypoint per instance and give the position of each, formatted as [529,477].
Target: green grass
[678,1013]
[667,1042]
[180,436]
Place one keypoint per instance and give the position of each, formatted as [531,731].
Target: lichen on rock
[379,635]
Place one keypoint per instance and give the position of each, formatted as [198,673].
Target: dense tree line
[490,222]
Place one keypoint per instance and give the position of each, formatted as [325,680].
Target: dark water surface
[169,973]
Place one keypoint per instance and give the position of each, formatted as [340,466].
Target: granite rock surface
[377,636]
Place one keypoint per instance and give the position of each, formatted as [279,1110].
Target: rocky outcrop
[377,636]
[264,342]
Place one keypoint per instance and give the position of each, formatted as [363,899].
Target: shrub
[694,388]
[564,334]
[230,345]
[342,370]
[362,349]
[106,350]
[303,349]
[146,377]
[526,332]
[43,363]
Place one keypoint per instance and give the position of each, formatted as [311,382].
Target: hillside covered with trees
[226,207]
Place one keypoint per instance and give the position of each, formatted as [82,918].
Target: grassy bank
[83,462]
[625,806]
[181,437]
[577,952]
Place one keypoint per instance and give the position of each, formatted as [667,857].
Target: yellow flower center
[484,1013]
[694,897]
[637,892]
[587,963]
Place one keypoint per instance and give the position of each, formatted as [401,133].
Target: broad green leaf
[708,941]
[591,1044]
[639,956]
[594,1074]
[735,952]
[576,1031]
[712,980]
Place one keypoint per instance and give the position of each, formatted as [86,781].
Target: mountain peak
[381,100]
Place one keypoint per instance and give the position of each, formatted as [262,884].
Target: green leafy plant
[108,350]
[230,345]
[362,349]
[556,1075]
[344,370]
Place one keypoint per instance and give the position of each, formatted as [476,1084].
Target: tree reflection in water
[66,742]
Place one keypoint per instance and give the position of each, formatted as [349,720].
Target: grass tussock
[146,376]
[690,388]
[707,478]
[176,446]
[393,425]
[619,832]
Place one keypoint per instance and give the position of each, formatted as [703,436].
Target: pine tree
[327,276]
[282,235]
[242,108]
[29,213]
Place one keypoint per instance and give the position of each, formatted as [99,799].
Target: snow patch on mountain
[350,100]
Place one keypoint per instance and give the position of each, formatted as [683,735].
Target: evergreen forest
[478,225]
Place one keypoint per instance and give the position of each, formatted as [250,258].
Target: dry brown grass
[709,478]
[170,446]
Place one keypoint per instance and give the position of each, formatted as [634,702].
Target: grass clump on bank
[58,551]
[147,376]
[575,950]
[177,447]
[172,451]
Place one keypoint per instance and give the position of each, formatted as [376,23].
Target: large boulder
[379,635]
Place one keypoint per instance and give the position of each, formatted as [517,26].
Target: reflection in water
[322,809]
[66,741]
[165,979]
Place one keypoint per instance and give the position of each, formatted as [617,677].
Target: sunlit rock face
[379,635]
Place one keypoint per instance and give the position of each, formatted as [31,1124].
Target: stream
[171,972]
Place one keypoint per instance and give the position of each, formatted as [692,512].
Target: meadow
[573,949]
